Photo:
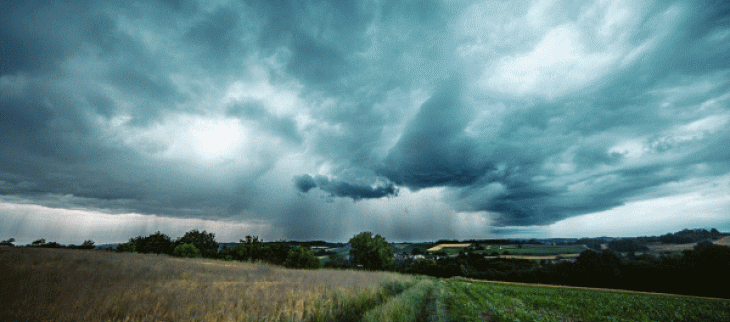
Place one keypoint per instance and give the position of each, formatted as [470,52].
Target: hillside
[75,285]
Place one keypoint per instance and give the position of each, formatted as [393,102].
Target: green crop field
[489,301]
[544,250]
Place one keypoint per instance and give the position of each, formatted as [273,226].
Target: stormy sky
[418,120]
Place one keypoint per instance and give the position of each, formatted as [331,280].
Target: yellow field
[659,248]
[725,241]
[75,285]
[534,257]
[442,246]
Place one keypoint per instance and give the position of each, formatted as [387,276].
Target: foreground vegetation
[74,285]
[490,301]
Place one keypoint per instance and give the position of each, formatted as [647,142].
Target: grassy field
[725,241]
[544,251]
[526,252]
[442,246]
[74,285]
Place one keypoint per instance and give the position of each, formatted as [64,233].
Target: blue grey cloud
[522,113]
[337,188]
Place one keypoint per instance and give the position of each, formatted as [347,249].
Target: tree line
[367,251]
[87,244]
[197,244]
[700,271]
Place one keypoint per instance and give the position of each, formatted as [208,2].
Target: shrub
[126,247]
[301,257]
[203,241]
[187,250]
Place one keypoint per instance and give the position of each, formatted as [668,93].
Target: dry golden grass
[725,241]
[442,246]
[74,285]
[660,248]
[534,257]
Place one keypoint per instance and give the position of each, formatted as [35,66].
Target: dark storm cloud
[337,188]
[531,114]
[52,146]
[434,151]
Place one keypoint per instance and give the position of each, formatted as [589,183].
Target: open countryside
[140,287]
[250,282]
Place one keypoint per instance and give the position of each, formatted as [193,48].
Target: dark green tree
[372,252]
[301,257]
[423,266]
[38,242]
[336,261]
[8,242]
[203,241]
[225,253]
[87,244]
[626,245]
[186,250]
[250,248]
[157,243]
[276,253]
[126,247]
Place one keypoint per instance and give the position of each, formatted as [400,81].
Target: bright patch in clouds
[215,139]
[557,65]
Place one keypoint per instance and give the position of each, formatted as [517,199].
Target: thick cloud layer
[517,114]
[337,188]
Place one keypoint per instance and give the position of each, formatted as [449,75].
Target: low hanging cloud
[336,188]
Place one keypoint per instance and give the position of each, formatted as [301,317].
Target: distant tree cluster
[197,244]
[591,243]
[253,249]
[690,236]
[7,242]
[41,243]
[625,245]
[301,257]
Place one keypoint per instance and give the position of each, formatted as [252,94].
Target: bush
[187,250]
[157,243]
[88,244]
[8,242]
[301,257]
[126,247]
[203,241]
[336,261]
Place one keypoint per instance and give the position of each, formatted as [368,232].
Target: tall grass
[75,285]
[419,303]
[353,307]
